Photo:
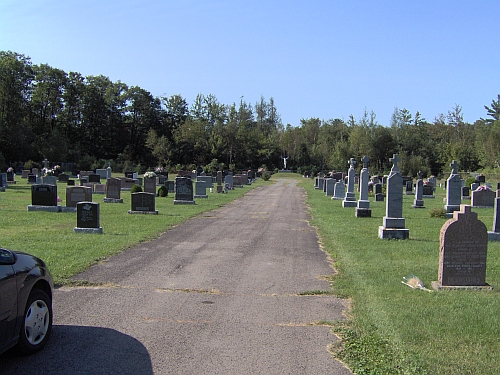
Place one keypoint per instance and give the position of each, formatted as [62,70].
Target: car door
[8,297]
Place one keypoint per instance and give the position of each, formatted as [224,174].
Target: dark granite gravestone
[465,192]
[143,203]
[171,186]
[462,254]
[219,182]
[43,195]
[483,198]
[183,191]
[88,218]
[63,177]
[71,182]
[94,178]
[10,177]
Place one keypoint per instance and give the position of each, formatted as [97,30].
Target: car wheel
[37,322]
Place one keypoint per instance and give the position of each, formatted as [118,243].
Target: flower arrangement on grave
[48,172]
[159,169]
[56,170]
[483,187]
[10,170]
[149,175]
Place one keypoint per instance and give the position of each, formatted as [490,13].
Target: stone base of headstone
[363,212]
[44,208]
[450,209]
[183,202]
[465,197]
[201,196]
[219,189]
[409,193]
[284,171]
[349,200]
[88,230]
[436,285]
[418,203]
[337,198]
[67,209]
[428,196]
[393,233]
[11,182]
[2,189]
[493,236]
[379,197]
[112,200]
[155,212]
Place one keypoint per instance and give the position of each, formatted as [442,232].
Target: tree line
[46,113]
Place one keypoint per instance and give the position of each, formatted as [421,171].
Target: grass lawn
[50,235]
[391,328]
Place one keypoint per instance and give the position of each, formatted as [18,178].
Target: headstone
[363,207]
[113,190]
[428,191]
[71,182]
[229,180]
[11,177]
[150,185]
[330,186]
[483,197]
[200,189]
[129,174]
[25,173]
[465,192]
[409,187]
[31,179]
[76,194]
[34,171]
[3,181]
[453,191]
[94,178]
[474,186]
[127,183]
[462,253]
[207,180]
[393,221]
[143,203]
[184,191]
[419,202]
[481,179]
[339,190]
[49,180]
[104,174]
[43,198]
[63,177]
[321,181]
[378,191]
[219,182]
[171,186]
[494,235]
[350,198]
[100,188]
[88,218]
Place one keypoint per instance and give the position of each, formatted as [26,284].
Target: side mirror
[7,257]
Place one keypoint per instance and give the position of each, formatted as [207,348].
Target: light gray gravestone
[462,252]
[350,198]
[88,218]
[200,189]
[330,185]
[393,221]
[363,207]
[453,190]
[229,180]
[419,202]
[113,190]
[339,190]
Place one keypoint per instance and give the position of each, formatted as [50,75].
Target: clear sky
[315,58]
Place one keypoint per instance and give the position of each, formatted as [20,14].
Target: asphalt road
[216,295]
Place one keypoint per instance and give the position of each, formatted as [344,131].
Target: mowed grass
[50,236]
[391,328]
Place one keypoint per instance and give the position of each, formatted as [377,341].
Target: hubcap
[36,322]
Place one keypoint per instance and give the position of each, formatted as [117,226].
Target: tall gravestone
[88,218]
[330,185]
[462,253]
[219,182]
[453,190]
[419,202]
[184,190]
[150,185]
[350,198]
[494,235]
[363,207]
[393,221]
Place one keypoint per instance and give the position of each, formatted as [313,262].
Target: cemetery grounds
[389,327]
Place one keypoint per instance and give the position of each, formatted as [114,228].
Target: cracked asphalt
[228,292]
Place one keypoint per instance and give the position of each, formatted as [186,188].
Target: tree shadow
[82,350]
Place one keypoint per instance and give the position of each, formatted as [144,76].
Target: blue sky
[316,58]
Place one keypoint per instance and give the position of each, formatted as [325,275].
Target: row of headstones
[463,239]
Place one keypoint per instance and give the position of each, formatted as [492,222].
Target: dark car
[26,287]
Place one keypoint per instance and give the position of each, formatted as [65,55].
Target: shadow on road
[82,350]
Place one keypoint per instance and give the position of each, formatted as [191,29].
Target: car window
[6,257]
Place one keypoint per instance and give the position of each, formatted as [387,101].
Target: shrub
[438,212]
[163,191]
[469,181]
[136,189]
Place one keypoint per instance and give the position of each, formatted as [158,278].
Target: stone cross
[420,174]
[454,166]
[352,162]
[365,161]
[395,160]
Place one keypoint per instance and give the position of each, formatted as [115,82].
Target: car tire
[37,323]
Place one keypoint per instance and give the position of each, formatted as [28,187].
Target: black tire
[37,323]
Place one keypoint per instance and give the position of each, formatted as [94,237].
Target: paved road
[216,295]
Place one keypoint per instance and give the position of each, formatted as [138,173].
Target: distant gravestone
[94,178]
[76,194]
[11,177]
[474,186]
[453,191]
[25,173]
[494,235]
[49,180]
[71,183]
[339,190]
[378,191]
[229,180]
[88,218]
[393,222]
[330,185]
[127,183]
[63,177]
[428,191]
[462,254]
[100,188]
[184,191]
[363,206]
[419,202]
[31,179]
[465,192]
[150,185]
[143,203]
[171,186]
[409,187]
[104,173]
[350,198]
[483,198]
[3,181]
[113,190]
[321,181]
[200,189]
[219,182]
